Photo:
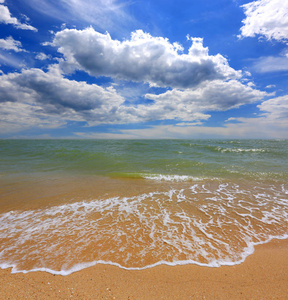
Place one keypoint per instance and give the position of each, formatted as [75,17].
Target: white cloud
[265,126]
[34,85]
[96,12]
[190,105]
[143,58]
[271,123]
[249,128]
[271,64]
[267,18]
[15,117]
[49,96]
[99,135]
[6,18]
[53,95]
[11,44]
[200,83]
[42,56]
[6,58]
[270,86]
[105,14]
[209,96]
[276,108]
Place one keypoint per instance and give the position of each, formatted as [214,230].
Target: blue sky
[143,69]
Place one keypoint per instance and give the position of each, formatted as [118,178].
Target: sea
[66,205]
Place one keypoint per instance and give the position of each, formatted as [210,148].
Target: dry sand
[264,275]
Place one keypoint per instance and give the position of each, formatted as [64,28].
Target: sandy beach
[62,209]
[262,276]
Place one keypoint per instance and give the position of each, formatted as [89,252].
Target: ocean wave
[209,224]
[240,150]
[175,178]
[249,250]
[157,177]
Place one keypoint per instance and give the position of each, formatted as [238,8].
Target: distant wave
[158,177]
[214,148]
[177,178]
[240,150]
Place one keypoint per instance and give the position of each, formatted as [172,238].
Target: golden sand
[264,275]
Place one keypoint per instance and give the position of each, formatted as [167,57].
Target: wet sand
[264,275]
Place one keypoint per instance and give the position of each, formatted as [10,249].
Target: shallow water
[67,205]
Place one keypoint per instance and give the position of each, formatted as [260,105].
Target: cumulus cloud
[190,105]
[55,92]
[267,18]
[50,94]
[163,111]
[11,44]
[15,117]
[212,96]
[276,108]
[36,98]
[194,82]
[143,58]
[6,18]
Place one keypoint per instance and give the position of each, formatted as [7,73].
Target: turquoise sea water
[69,204]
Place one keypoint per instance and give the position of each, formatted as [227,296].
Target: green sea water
[262,159]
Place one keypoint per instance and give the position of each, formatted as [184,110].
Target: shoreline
[263,275]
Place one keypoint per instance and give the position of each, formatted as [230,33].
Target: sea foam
[207,223]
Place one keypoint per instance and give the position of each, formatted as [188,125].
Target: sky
[143,69]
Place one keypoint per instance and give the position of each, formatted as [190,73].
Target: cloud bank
[272,123]
[49,94]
